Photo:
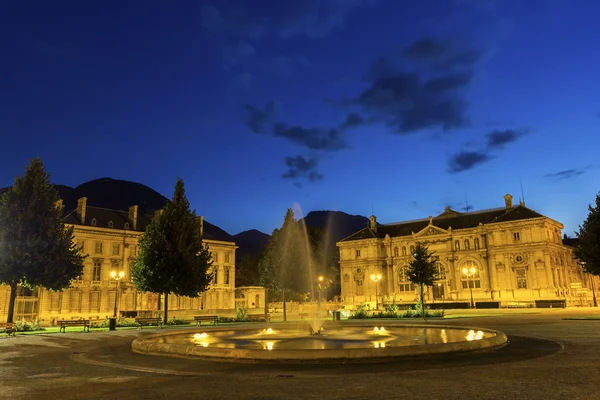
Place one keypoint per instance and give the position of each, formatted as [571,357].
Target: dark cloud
[353,120]
[285,19]
[497,139]
[301,168]
[257,119]
[422,89]
[566,174]
[466,160]
[312,138]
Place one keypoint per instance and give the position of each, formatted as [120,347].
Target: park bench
[8,328]
[206,318]
[259,317]
[74,322]
[148,322]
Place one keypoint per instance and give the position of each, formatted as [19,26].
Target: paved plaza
[548,357]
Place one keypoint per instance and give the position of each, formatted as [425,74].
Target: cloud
[312,138]
[284,19]
[422,88]
[566,174]
[465,160]
[353,120]
[497,139]
[303,168]
[256,118]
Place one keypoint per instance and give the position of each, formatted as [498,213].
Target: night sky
[398,107]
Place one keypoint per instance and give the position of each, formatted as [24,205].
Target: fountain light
[269,345]
[269,331]
[472,335]
[199,336]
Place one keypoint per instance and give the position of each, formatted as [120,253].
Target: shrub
[177,321]
[27,326]
[361,312]
[241,314]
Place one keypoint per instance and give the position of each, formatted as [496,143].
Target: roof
[571,242]
[118,218]
[449,218]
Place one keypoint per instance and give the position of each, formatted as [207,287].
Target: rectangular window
[521,278]
[115,265]
[227,258]
[358,255]
[75,303]
[116,249]
[516,236]
[133,251]
[215,278]
[98,248]
[405,287]
[226,278]
[55,300]
[97,270]
[359,286]
[95,301]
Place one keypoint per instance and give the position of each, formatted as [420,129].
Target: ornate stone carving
[500,266]
[519,258]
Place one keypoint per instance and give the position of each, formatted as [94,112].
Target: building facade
[110,240]
[512,255]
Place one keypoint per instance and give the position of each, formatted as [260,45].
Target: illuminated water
[333,338]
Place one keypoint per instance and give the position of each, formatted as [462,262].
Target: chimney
[373,223]
[157,214]
[133,211]
[201,221]
[81,208]
[508,201]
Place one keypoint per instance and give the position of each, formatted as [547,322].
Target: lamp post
[376,278]
[117,276]
[595,303]
[319,281]
[470,272]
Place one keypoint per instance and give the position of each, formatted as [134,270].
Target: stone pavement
[547,358]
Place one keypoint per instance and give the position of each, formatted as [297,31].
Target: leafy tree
[36,249]
[588,247]
[172,257]
[246,271]
[421,270]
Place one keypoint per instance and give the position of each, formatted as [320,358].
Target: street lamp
[595,303]
[319,280]
[376,279]
[117,276]
[470,272]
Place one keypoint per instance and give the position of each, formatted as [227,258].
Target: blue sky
[395,106]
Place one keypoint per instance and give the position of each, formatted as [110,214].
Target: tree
[246,271]
[588,247]
[172,258]
[421,270]
[36,249]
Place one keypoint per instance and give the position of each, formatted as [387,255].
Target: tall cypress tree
[36,249]
[588,247]
[172,258]
[421,270]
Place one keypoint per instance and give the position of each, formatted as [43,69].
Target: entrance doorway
[438,291]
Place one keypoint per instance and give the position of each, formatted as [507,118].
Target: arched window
[110,224]
[403,250]
[412,250]
[476,243]
[404,285]
[395,252]
[456,245]
[469,279]
[440,272]
[467,244]
[93,222]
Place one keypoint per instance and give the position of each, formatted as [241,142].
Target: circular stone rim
[145,345]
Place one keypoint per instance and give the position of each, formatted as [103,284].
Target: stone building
[110,239]
[516,254]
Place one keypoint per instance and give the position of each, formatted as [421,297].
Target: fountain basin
[338,342]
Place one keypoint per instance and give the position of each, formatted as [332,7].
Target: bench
[148,322]
[8,328]
[259,317]
[208,318]
[74,322]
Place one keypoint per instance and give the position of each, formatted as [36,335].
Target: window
[111,224]
[116,249]
[75,303]
[404,284]
[346,278]
[55,301]
[97,270]
[357,253]
[227,258]
[93,222]
[476,243]
[467,244]
[98,248]
[95,301]
[456,245]
[403,250]
[516,236]
[226,277]
[215,257]
[215,278]
[472,281]
[521,278]
[440,271]
[126,226]
[395,252]
[133,250]
[359,287]
[412,250]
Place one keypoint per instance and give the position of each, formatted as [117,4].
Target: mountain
[251,242]
[336,225]
[120,195]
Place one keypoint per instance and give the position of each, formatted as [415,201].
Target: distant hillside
[337,225]
[251,242]
[120,195]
